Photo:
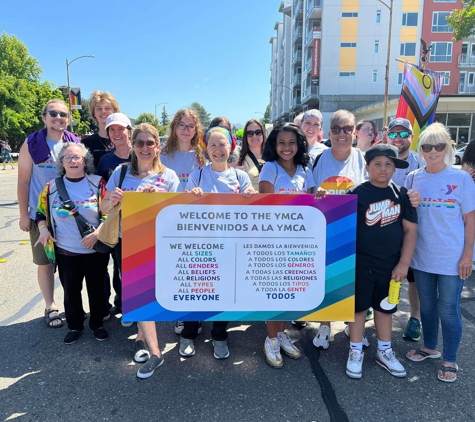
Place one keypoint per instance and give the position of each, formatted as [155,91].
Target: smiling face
[118,135]
[218,148]
[286,146]
[101,111]
[75,168]
[380,170]
[401,144]
[342,136]
[186,129]
[58,123]
[145,147]
[312,128]
[434,158]
[254,141]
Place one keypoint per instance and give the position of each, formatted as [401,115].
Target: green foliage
[203,115]
[240,133]
[81,127]
[266,118]
[147,118]
[165,118]
[162,130]
[463,20]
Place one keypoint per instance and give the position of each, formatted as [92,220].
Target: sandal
[445,369]
[424,355]
[52,315]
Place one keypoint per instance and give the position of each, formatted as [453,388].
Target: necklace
[144,173]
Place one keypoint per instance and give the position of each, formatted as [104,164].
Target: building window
[439,22]
[400,77]
[348,45]
[376,47]
[409,19]
[346,74]
[408,49]
[349,15]
[445,1]
[471,79]
[375,76]
[446,81]
[378,16]
[441,52]
[472,50]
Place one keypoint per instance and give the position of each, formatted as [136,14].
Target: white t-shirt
[230,181]
[182,163]
[446,197]
[399,176]
[338,176]
[273,173]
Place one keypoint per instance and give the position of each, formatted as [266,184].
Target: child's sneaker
[187,348]
[413,330]
[387,360]
[322,339]
[354,365]
[365,340]
[272,352]
[370,314]
[287,346]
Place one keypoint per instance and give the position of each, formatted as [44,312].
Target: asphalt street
[42,379]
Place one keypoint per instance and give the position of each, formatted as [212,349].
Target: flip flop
[424,356]
[52,315]
[445,369]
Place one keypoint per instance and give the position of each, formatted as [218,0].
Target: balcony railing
[313,5]
[308,66]
[311,92]
[466,89]
[297,33]
[296,102]
[466,60]
[297,78]
[297,57]
[297,8]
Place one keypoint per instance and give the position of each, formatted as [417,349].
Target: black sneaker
[299,324]
[147,370]
[72,336]
[100,333]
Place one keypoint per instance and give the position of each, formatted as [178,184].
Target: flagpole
[388,58]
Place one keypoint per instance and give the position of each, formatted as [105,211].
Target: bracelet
[43,225]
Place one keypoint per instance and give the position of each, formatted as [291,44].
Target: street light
[156,105]
[386,86]
[260,112]
[69,87]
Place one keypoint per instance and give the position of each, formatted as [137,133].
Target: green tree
[147,118]
[240,133]
[80,127]
[203,115]
[165,119]
[463,20]
[266,118]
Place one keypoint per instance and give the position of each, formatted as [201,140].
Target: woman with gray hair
[74,254]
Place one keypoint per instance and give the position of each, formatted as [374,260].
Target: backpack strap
[123,172]
[317,159]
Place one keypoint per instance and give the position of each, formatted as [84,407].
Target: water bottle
[394,291]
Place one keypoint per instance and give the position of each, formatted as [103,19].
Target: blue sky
[147,52]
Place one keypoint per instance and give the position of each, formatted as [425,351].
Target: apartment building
[337,56]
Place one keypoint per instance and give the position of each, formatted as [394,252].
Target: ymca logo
[450,189]
[385,212]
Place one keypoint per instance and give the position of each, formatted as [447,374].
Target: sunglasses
[141,143]
[428,147]
[54,113]
[404,134]
[250,133]
[69,158]
[336,130]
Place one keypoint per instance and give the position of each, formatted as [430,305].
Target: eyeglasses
[69,158]
[336,130]
[182,126]
[141,143]
[54,113]
[428,147]
[404,134]
[251,133]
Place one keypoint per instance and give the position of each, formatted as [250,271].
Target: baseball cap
[118,119]
[400,122]
[386,151]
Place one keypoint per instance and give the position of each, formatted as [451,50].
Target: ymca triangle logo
[450,189]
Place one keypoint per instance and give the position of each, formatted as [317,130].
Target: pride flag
[419,97]
[76,103]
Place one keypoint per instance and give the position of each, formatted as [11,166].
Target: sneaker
[288,347]
[100,333]
[126,324]
[322,339]
[141,353]
[387,360]
[72,336]
[354,365]
[187,348]
[180,325]
[365,340]
[272,352]
[221,350]
[370,314]
[147,370]
[413,330]
[299,324]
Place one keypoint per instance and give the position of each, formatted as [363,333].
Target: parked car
[459,155]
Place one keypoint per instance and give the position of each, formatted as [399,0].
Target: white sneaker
[322,339]
[141,354]
[387,360]
[179,327]
[187,348]
[287,346]
[354,365]
[365,340]
[126,324]
[272,352]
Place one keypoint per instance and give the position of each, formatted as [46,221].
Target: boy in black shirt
[385,242]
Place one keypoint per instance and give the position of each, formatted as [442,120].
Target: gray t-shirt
[230,181]
[182,163]
[41,174]
[313,151]
[338,176]
[164,182]
[446,197]
[399,176]
[84,196]
[273,173]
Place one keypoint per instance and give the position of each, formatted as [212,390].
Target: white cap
[118,119]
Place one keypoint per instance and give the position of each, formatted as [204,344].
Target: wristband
[43,225]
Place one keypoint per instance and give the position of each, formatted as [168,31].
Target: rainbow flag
[419,97]
[76,103]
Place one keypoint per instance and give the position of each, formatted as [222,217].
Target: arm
[41,218]
[414,197]
[465,263]
[408,246]
[25,166]
[266,187]
[111,199]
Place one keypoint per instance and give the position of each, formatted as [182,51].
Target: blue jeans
[439,296]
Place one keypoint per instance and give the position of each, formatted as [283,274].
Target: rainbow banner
[76,103]
[419,97]
[223,257]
